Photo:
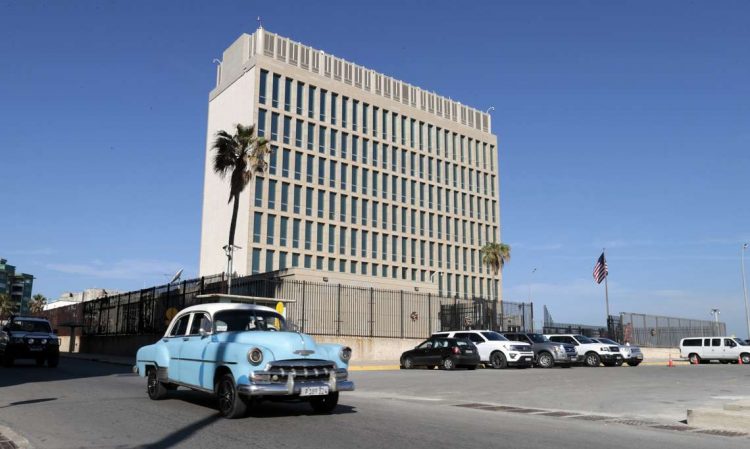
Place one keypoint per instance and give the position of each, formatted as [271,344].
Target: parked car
[241,353]
[446,353]
[494,349]
[722,349]
[26,337]
[546,353]
[631,354]
[593,353]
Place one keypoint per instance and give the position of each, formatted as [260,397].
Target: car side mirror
[202,332]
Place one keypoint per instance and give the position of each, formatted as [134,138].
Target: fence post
[338,310]
[429,314]
[372,312]
[302,320]
[402,314]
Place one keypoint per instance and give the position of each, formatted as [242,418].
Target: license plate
[313,391]
[469,351]
[35,349]
[640,357]
[527,359]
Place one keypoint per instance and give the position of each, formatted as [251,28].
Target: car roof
[214,307]
[30,318]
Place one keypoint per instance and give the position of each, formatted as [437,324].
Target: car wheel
[619,362]
[498,361]
[545,360]
[40,361]
[53,361]
[407,363]
[325,404]
[695,359]
[634,363]
[154,387]
[745,359]
[231,405]
[592,359]
[448,364]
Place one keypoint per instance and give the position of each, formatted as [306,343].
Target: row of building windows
[366,183]
[336,206]
[280,230]
[448,283]
[294,97]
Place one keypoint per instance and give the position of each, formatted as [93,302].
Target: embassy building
[371,181]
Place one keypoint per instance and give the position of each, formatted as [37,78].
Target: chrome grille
[302,369]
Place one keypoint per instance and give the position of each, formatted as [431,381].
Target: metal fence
[318,308]
[640,329]
[663,331]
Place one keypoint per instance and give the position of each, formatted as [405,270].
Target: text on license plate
[313,391]
[37,348]
[469,351]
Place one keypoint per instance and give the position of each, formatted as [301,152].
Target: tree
[239,155]
[37,303]
[494,256]
[6,306]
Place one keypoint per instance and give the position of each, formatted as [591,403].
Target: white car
[631,354]
[494,349]
[723,349]
[593,353]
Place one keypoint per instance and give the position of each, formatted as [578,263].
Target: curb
[11,440]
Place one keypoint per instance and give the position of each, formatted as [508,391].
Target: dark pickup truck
[546,353]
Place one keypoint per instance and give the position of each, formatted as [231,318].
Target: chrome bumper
[290,387]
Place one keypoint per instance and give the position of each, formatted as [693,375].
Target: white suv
[593,353]
[494,349]
[723,349]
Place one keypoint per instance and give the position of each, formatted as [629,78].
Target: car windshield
[608,341]
[584,340]
[248,320]
[538,338]
[30,326]
[494,336]
[742,342]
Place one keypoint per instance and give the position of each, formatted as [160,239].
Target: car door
[435,354]
[717,352]
[730,349]
[195,368]
[419,354]
[173,341]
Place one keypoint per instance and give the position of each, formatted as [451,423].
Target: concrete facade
[370,178]
[16,285]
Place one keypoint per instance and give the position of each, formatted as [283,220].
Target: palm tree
[241,155]
[494,256]
[37,303]
[6,306]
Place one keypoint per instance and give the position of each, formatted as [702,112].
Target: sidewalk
[369,365]
[11,440]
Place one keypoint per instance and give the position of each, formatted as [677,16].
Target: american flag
[600,269]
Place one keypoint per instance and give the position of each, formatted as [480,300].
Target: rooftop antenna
[176,276]
[260,22]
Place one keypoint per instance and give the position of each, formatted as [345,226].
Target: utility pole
[744,287]
[715,313]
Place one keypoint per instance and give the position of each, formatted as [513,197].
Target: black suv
[29,338]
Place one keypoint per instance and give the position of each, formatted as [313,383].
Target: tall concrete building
[16,285]
[371,180]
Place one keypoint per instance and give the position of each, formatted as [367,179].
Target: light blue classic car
[243,353]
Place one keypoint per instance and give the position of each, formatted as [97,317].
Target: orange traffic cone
[670,363]
[739,360]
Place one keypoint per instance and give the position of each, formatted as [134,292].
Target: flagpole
[606,287]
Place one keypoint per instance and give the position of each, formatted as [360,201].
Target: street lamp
[744,287]
[531,282]
[715,313]
[229,251]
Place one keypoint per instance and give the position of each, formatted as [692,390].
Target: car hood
[21,334]
[283,345]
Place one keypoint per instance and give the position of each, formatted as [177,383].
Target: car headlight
[345,353]
[44,341]
[561,349]
[31,341]
[518,348]
[255,356]
[603,349]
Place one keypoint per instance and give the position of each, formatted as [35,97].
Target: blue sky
[623,125]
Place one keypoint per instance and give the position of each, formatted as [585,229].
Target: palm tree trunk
[233,223]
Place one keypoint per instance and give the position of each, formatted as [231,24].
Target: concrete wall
[116,345]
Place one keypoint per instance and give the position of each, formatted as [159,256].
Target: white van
[723,349]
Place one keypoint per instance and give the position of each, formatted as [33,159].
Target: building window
[275,126]
[355,107]
[261,123]
[258,192]
[344,104]
[310,136]
[319,237]
[308,235]
[256,261]
[309,173]
[331,205]
[311,102]
[269,260]
[262,86]
[322,105]
[321,201]
[275,92]
[308,201]
[282,231]
[308,261]
[334,98]
[331,238]
[270,229]
[332,169]
[272,194]
[297,196]
[300,90]
[287,128]
[353,241]
[321,171]
[284,196]
[257,217]
[295,233]
[287,93]
[282,260]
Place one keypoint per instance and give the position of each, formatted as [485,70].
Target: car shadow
[26,371]
[263,409]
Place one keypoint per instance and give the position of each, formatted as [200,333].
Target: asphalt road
[86,404]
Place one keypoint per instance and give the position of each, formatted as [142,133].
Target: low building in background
[90,294]
[17,285]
